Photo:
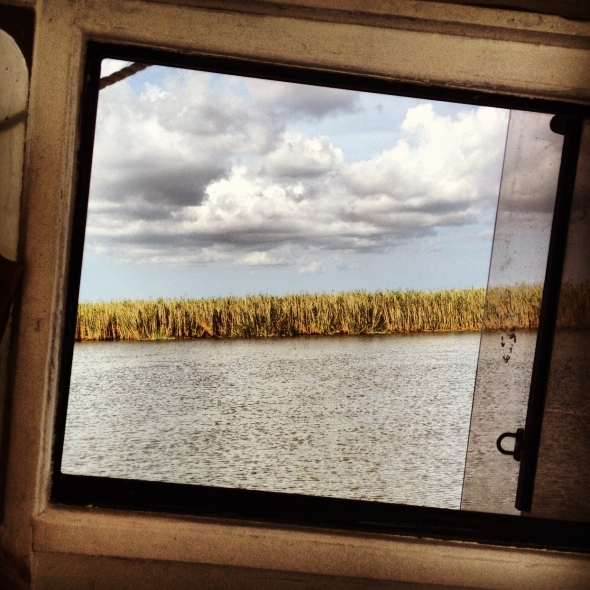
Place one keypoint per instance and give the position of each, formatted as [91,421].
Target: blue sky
[210,185]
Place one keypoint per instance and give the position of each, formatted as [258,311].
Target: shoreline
[304,336]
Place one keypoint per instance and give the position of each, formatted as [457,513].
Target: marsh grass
[355,312]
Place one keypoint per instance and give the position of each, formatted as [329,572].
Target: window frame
[275,507]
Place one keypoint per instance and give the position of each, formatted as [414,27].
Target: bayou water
[367,417]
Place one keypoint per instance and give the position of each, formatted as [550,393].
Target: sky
[208,185]
[527,199]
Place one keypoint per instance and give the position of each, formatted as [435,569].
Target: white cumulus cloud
[198,169]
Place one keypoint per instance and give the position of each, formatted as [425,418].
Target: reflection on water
[371,417]
[562,483]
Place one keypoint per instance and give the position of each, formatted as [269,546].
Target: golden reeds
[355,312]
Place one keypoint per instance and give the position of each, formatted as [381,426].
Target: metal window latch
[518,437]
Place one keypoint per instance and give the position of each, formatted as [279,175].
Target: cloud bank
[200,168]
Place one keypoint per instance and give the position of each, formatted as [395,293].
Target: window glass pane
[283,284]
[517,271]
[563,477]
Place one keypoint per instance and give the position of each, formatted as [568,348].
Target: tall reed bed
[574,306]
[355,312]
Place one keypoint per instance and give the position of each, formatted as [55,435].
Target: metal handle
[518,439]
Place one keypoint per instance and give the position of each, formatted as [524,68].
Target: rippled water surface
[371,417]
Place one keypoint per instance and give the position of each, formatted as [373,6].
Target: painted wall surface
[13,103]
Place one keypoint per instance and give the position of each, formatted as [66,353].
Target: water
[368,417]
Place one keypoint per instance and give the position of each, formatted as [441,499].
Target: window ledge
[95,532]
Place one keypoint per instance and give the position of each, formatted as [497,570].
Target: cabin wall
[521,53]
